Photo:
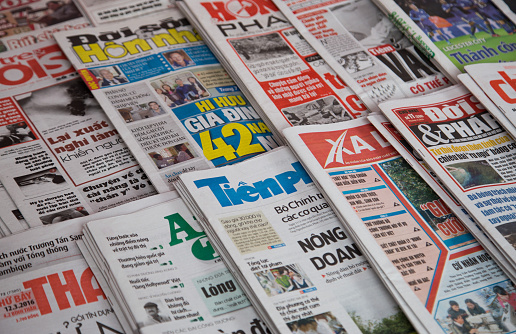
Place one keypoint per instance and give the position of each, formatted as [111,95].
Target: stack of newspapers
[281,239]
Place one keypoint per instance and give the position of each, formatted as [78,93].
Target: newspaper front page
[364,48]
[295,259]
[469,151]
[411,156]
[169,275]
[60,156]
[268,57]
[47,286]
[498,82]
[27,22]
[173,103]
[402,223]
[455,33]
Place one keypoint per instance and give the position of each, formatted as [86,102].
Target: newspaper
[170,277]
[12,219]
[27,22]
[47,286]
[498,83]
[364,48]
[283,241]
[172,102]
[454,34]
[60,156]
[469,151]
[446,229]
[396,216]
[102,12]
[273,63]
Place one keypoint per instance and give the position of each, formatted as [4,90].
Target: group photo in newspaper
[258,166]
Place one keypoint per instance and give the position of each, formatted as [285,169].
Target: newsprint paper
[168,276]
[275,65]
[60,156]
[167,95]
[277,232]
[469,152]
[455,33]
[402,223]
[364,48]
[27,22]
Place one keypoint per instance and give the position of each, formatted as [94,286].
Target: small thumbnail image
[67,214]
[474,173]
[172,155]
[324,323]
[178,59]
[283,279]
[42,182]
[15,133]
[109,76]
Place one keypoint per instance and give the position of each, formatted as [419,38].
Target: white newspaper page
[290,247]
[169,274]
[291,83]
[402,222]
[364,48]
[469,151]
[446,199]
[166,93]
[454,33]
[498,82]
[102,12]
[27,22]
[60,156]
[47,286]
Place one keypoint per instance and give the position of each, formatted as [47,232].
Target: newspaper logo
[279,184]
[233,9]
[505,87]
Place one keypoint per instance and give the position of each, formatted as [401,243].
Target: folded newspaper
[469,152]
[287,248]
[455,33]
[276,68]
[169,98]
[364,48]
[60,156]
[165,275]
[401,223]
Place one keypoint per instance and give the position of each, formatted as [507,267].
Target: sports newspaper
[401,222]
[364,48]
[455,33]
[278,234]
[27,22]
[60,156]
[167,275]
[469,152]
[167,95]
[268,58]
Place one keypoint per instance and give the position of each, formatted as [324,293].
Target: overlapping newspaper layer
[27,22]
[283,241]
[498,83]
[60,156]
[449,227]
[273,64]
[400,221]
[167,95]
[364,48]
[454,33]
[469,152]
[47,287]
[165,276]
